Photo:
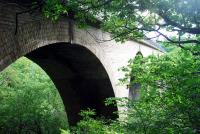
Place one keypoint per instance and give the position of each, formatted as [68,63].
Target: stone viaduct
[83,67]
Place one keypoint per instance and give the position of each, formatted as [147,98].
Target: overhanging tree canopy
[134,18]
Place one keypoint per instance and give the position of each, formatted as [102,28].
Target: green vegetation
[29,101]
[169,93]
[169,99]
[88,125]
[134,19]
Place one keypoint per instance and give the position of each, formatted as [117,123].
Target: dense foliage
[134,18]
[29,101]
[169,99]
[169,93]
[89,125]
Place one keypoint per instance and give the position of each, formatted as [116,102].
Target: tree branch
[175,24]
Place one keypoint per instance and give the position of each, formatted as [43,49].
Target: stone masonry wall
[34,32]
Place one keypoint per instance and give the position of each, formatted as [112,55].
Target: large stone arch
[34,32]
[79,77]
[40,40]
[34,35]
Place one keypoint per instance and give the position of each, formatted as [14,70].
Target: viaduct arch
[84,69]
[79,76]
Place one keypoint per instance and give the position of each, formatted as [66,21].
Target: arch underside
[79,76]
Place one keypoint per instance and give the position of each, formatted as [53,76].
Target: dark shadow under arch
[79,76]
